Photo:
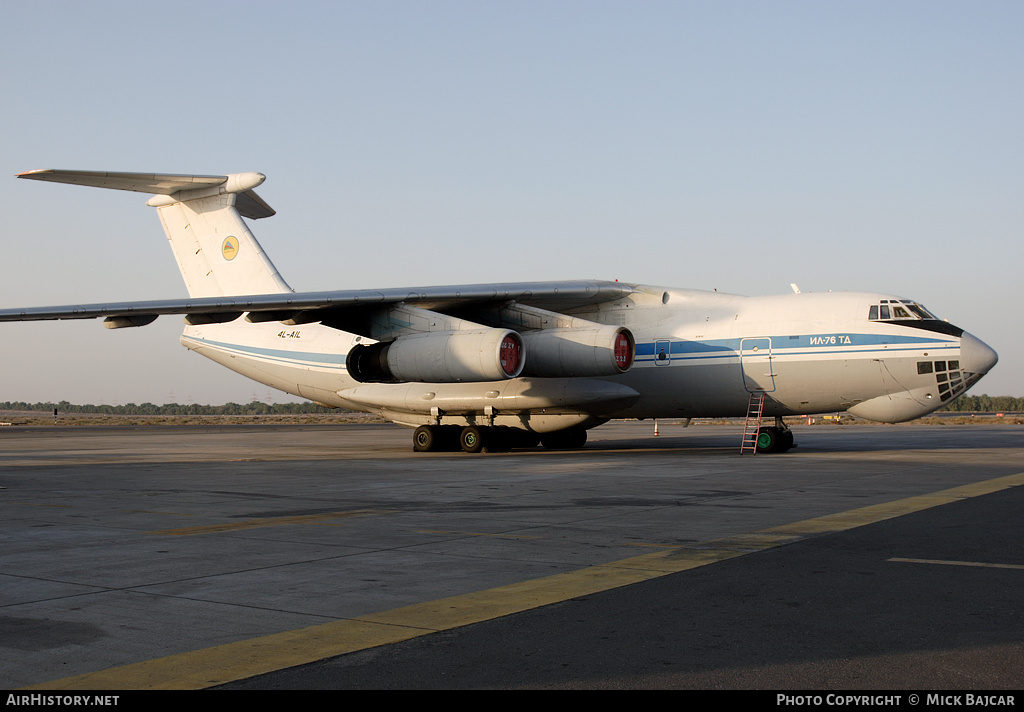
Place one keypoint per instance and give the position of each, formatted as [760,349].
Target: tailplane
[202,217]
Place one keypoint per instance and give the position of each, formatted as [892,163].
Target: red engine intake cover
[623,351]
[511,354]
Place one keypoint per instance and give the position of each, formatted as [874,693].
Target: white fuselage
[698,354]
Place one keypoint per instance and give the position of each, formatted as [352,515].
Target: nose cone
[976,356]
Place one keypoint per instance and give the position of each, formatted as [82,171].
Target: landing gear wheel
[425,438]
[499,439]
[786,441]
[572,439]
[769,440]
[774,439]
[524,438]
[471,439]
[448,438]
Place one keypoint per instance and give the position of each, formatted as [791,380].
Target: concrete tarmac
[315,557]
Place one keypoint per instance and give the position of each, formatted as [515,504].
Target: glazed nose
[975,355]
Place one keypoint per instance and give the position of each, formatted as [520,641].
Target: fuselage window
[924,367]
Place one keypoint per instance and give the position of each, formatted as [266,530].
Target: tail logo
[229,248]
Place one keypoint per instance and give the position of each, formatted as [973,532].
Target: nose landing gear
[775,438]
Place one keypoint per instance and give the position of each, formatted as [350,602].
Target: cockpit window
[897,309]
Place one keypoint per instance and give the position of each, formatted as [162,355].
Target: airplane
[497,366]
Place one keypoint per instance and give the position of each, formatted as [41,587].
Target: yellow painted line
[269,522]
[235,661]
[247,658]
[887,510]
[980,564]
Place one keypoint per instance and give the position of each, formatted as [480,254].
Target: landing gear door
[756,364]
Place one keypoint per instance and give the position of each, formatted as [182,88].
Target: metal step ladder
[755,407]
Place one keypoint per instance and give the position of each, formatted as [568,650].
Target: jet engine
[589,351]
[440,357]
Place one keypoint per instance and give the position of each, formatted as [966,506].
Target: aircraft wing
[309,307]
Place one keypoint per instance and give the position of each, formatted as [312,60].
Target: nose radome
[975,355]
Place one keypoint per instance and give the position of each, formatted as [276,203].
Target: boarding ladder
[755,408]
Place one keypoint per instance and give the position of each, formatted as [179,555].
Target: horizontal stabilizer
[178,187]
[152,183]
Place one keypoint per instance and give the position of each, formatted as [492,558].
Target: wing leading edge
[308,307]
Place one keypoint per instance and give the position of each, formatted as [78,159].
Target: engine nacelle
[440,357]
[579,351]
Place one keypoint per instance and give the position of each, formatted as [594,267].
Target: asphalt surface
[845,611]
[316,557]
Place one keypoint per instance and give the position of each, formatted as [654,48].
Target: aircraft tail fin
[202,218]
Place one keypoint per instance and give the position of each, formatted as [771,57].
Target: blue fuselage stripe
[852,345]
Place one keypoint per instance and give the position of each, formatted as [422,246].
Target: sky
[738,146]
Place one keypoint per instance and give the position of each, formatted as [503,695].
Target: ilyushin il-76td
[497,366]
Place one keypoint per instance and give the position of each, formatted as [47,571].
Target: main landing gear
[492,438]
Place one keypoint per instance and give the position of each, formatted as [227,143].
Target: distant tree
[253,408]
[984,403]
